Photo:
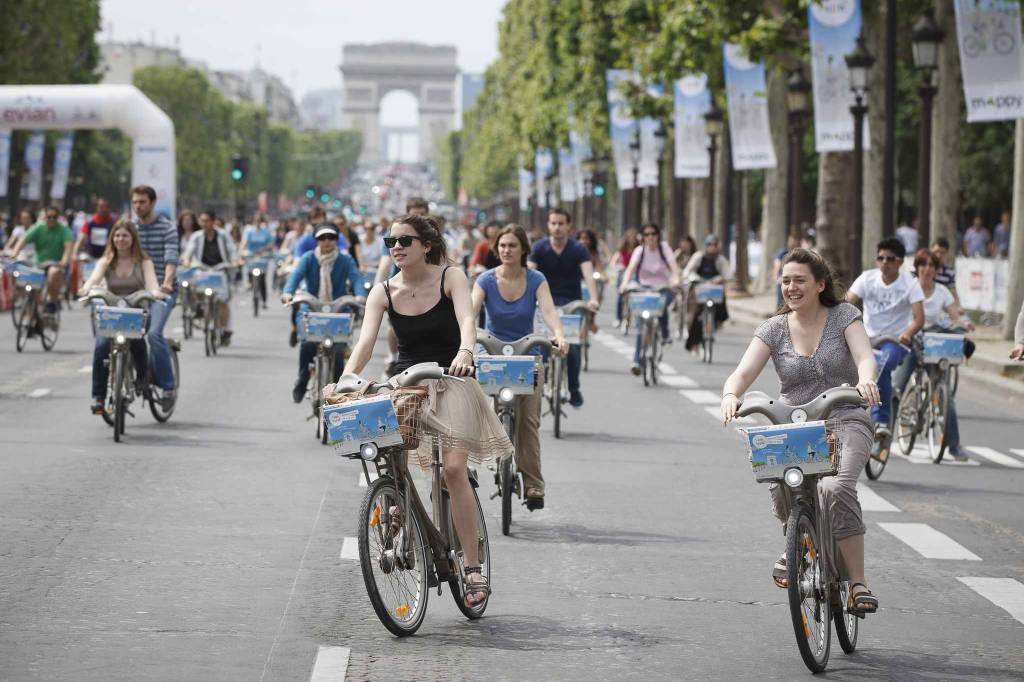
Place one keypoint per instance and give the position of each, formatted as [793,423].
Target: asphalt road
[211,547]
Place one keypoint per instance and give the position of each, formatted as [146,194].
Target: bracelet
[732,394]
[466,350]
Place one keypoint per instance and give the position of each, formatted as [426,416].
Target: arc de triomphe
[372,71]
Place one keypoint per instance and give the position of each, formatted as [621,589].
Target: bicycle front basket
[352,424]
[572,328]
[215,280]
[517,373]
[938,347]
[30,277]
[646,301]
[812,447]
[319,326]
[710,292]
[112,322]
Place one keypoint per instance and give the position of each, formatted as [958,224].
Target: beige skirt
[458,416]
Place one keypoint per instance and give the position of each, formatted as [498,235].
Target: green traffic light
[598,190]
[324,198]
[336,203]
[310,193]
[236,174]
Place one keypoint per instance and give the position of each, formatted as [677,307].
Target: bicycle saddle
[779,412]
[495,346]
[574,307]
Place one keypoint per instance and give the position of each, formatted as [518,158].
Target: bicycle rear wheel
[937,419]
[908,411]
[847,624]
[484,550]
[394,567]
[809,605]
[877,461]
[156,407]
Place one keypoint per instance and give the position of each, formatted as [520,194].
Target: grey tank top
[122,286]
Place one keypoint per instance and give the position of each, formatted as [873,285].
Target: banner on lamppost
[834,27]
[525,188]
[567,175]
[621,127]
[581,152]
[32,185]
[62,164]
[989,35]
[650,144]
[5,160]
[692,100]
[746,92]
[543,165]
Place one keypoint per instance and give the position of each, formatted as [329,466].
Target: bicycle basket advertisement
[261,264]
[319,326]
[30,277]
[773,449]
[185,275]
[939,347]
[710,292]
[515,372]
[351,424]
[652,302]
[128,322]
[215,280]
[572,327]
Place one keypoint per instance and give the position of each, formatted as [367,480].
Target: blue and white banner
[525,188]
[32,185]
[5,160]
[989,35]
[650,154]
[747,96]
[543,165]
[692,100]
[581,152]
[62,164]
[566,175]
[834,27]
[621,127]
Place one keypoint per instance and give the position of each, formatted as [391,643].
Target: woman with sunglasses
[430,310]
[654,265]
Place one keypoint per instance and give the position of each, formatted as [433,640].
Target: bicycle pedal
[497,493]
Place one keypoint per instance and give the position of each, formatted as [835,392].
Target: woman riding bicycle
[627,245]
[655,267]
[126,269]
[818,342]
[429,307]
[708,266]
[511,293]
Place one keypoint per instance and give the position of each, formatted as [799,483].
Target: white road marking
[928,542]
[919,455]
[1017,451]
[872,501]
[362,478]
[701,396]
[1006,593]
[679,381]
[39,393]
[331,664]
[177,330]
[996,456]
[667,368]
[85,369]
[350,549]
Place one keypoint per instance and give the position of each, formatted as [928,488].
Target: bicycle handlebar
[779,412]
[350,383]
[496,346]
[133,300]
[341,302]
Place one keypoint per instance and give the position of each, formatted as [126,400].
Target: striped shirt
[159,239]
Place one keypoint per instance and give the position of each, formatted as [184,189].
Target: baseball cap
[326,229]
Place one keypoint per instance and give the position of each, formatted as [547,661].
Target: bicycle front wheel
[208,332]
[655,353]
[938,419]
[809,605]
[325,369]
[393,559]
[847,624]
[556,396]
[117,371]
[484,551]
[48,330]
[23,324]
[506,476]
[908,409]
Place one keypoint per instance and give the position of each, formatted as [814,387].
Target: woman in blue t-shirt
[511,293]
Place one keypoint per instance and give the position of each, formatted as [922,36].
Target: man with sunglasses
[893,305]
[329,273]
[53,241]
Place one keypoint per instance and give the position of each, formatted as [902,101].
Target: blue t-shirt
[258,238]
[562,270]
[510,320]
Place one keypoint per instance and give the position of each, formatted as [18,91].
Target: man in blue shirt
[343,279]
[566,263]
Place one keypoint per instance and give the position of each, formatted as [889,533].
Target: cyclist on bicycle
[564,262]
[816,343]
[96,230]
[212,246]
[708,266]
[328,273]
[258,240]
[511,293]
[438,325]
[893,306]
[53,242]
[126,269]
[655,267]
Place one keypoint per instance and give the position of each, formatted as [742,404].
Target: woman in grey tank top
[126,269]
[818,342]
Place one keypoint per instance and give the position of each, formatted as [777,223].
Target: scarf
[326,262]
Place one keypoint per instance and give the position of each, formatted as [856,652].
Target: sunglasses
[887,259]
[650,234]
[325,237]
[405,241]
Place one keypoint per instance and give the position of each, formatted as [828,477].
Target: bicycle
[212,286]
[680,308]
[29,319]
[708,296]
[402,553]
[324,325]
[258,267]
[576,317]
[123,319]
[648,306]
[505,372]
[818,587]
[924,405]
[883,438]
[188,306]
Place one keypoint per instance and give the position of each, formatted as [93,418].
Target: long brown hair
[832,294]
[110,252]
[429,231]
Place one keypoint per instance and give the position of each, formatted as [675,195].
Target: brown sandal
[780,573]
[479,587]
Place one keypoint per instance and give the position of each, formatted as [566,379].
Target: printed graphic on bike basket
[319,326]
[773,449]
[30,277]
[710,292]
[515,372]
[217,281]
[127,322]
[352,424]
[572,327]
[939,347]
[642,301]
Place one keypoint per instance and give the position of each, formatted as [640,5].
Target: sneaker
[97,407]
[225,338]
[293,339]
[958,454]
[635,369]
[576,399]
[534,499]
[667,341]
[169,398]
[298,391]
[51,308]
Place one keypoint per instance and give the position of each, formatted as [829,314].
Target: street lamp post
[798,98]
[637,196]
[859,63]
[926,38]
[713,123]
[654,207]
[588,191]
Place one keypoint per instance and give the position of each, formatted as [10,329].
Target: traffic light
[324,197]
[336,203]
[598,190]
[239,167]
[310,192]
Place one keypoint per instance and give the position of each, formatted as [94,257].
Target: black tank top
[708,267]
[433,336]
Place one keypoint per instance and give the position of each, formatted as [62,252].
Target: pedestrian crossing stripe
[1006,593]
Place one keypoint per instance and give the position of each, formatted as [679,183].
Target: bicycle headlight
[646,314]
[325,308]
[710,304]
[794,477]
[368,452]
[256,272]
[184,284]
[327,343]
[119,338]
[28,287]
[506,395]
[208,291]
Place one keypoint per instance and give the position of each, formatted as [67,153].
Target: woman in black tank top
[430,310]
